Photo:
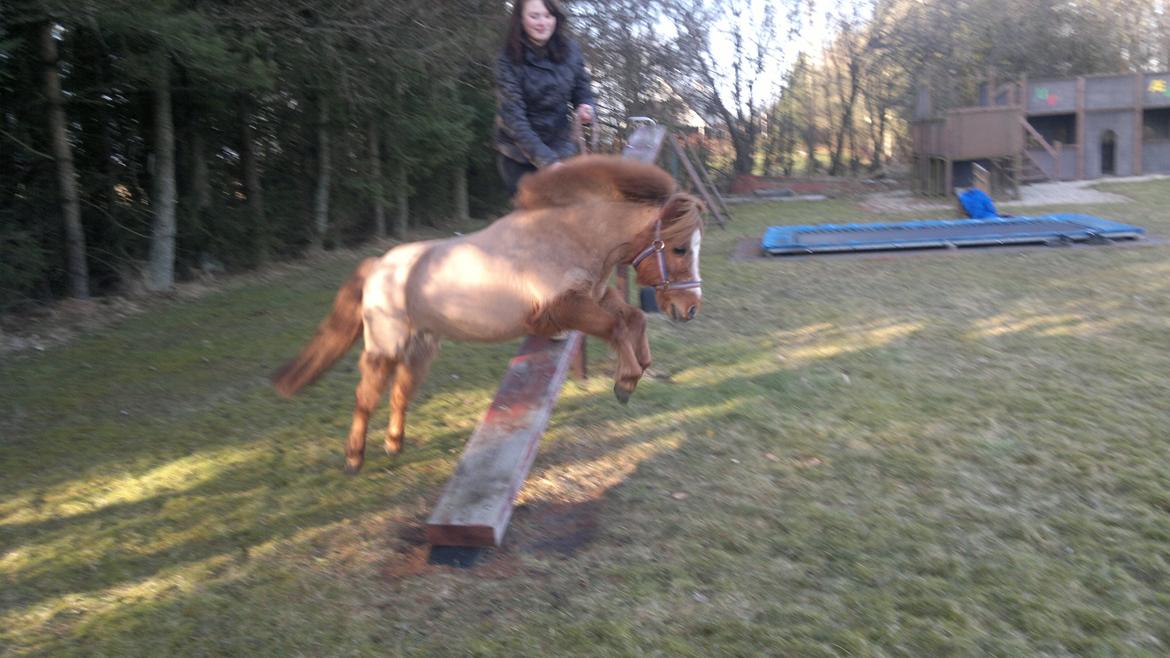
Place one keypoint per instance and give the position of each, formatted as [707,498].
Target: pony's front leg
[580,311]
[375,370]
[613,302]
[408,376]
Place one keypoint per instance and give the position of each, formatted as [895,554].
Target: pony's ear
[682,207]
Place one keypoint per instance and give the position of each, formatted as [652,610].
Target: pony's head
[671,262]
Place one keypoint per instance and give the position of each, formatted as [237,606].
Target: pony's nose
[692,311]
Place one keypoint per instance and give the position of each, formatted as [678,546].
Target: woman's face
[539,25]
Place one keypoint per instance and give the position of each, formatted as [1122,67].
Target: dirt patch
[748,249]
[45,327]
[553,529]
[550,529]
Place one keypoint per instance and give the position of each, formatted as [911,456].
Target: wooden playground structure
[1026,131]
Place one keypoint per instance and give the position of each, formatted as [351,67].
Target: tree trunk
[402,200]
[250,161]
[742,142]
[810,127]
[880,142]
[854,159]
[459,182]
[200,180]
[162,237]
[66,172]
[324,176]
[376,186]
[846,120]
[743,156]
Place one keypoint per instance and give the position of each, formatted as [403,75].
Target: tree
[725,90]
[66,173]
[627,57]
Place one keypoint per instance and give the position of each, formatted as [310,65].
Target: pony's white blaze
[696,241]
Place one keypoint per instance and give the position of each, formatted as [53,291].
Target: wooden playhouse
[1047,129]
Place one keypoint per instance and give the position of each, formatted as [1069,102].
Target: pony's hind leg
[376,369]
[408,376]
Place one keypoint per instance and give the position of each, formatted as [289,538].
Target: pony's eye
[680,251]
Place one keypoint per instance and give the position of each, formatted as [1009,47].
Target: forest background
[145,142]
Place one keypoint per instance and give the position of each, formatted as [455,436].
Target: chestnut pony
[541,269]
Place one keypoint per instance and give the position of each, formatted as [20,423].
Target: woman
[540,74]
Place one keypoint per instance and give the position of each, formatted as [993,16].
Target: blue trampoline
[946,233]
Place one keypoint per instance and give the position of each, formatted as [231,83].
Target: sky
[809,37]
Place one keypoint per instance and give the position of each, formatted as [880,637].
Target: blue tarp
[977,204]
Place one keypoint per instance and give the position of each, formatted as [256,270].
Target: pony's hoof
[392,449]
[621,394]
[352,468]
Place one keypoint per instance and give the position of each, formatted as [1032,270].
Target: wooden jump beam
[476,506]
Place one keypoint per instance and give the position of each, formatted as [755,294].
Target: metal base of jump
[945,233]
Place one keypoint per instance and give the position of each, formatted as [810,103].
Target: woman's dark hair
[558,46]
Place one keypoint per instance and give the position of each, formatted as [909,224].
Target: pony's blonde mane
[594,178]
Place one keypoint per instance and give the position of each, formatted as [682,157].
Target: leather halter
[657,246]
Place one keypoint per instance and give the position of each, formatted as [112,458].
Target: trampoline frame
[786,240]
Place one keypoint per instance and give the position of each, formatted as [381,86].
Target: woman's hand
[585,114]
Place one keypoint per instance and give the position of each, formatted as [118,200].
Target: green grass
[940,454]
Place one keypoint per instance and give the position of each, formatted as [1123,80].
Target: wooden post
[697,182]
[981,178]
[1081,128]
[1139,98]
[645,143]
[707,179]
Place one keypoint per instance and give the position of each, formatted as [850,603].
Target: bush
[23,266]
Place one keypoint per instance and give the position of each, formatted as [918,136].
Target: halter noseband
[657,246]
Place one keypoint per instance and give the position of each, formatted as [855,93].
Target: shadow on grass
[242,507]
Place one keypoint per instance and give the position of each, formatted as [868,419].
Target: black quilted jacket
[535,99]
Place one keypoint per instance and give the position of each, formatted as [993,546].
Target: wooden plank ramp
[476,506]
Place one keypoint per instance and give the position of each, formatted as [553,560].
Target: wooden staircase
[1030,170]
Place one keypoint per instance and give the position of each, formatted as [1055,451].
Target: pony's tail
[334,337]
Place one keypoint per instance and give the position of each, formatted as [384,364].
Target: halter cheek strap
[657,246]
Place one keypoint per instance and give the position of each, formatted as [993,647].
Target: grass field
[945,454]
